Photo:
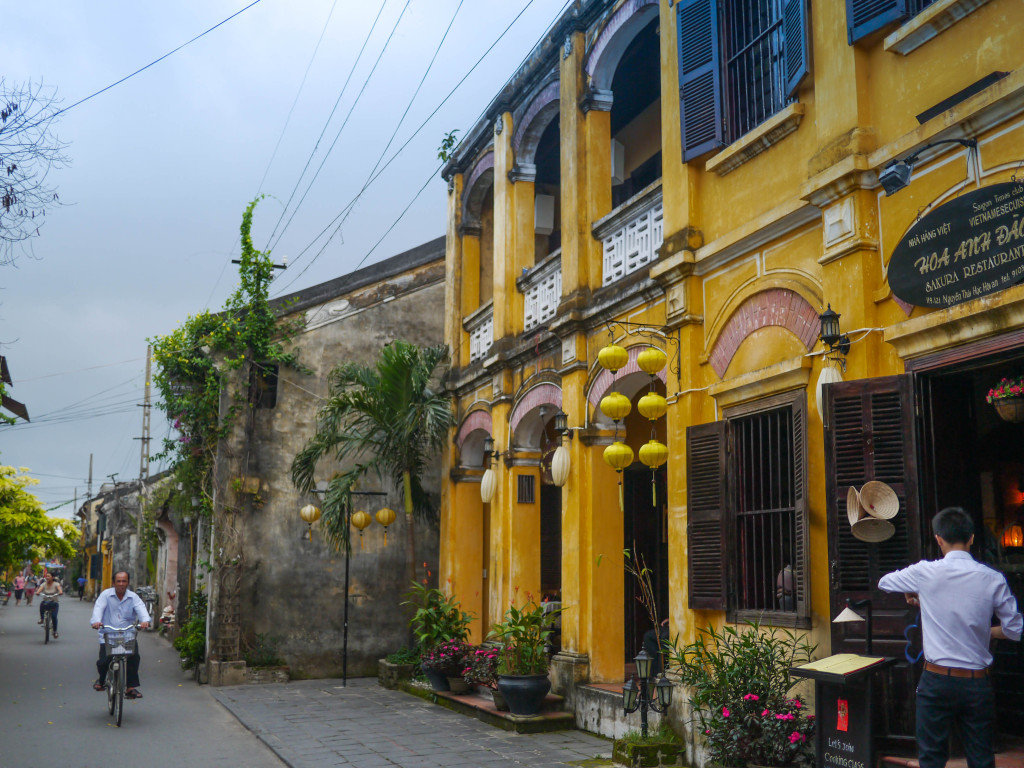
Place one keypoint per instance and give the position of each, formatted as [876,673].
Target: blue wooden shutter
[700,86]
[707,495]
[797,42]
[866,16]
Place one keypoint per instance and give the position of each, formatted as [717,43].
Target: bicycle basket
[119,643]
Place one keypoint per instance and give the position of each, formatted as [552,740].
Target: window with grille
[526,489]
[740,62]
[863,17]
[747,512]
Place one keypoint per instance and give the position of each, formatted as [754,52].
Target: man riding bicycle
[119,607]
[48,593]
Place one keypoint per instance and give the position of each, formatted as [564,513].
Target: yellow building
[702,176]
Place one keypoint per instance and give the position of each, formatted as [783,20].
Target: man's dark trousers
[943,700]
[132,681]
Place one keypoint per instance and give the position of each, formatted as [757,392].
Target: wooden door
[870,434]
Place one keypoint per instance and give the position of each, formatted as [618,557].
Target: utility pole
[143,473]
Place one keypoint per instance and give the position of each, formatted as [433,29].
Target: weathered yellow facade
[748,242]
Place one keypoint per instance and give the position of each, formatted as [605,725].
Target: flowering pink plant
[480,666]
[764,730]
[445,658]
[1006,388]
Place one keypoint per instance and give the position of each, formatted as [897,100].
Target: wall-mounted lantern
[896,175]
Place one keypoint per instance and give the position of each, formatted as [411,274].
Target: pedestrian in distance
[958,597]
[49,591]
[81,586]
[30,588]
[118,606]
[19,588]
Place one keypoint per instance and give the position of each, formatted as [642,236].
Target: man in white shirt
[118,606]
[958,598]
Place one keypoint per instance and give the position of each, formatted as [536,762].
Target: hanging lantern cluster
[309,514]
[652,407]
[616,406]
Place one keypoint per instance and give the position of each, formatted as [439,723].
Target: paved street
[315,723]
[50,716]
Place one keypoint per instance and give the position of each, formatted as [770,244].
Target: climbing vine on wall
[195,360]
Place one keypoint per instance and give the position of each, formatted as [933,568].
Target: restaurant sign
[969,247]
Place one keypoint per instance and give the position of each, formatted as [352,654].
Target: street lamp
[638,696]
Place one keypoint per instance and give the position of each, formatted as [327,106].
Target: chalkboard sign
[844,725]
[969,247]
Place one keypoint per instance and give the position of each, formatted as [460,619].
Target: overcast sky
[163,165]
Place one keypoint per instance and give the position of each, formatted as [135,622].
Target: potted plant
[445,660]
[522,657]
[437,619]
[741,685]
[1007,397]
[481,668]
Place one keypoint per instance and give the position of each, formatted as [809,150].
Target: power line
[399,151]
[296,100]
[316,146]
[157,61]
[343,124]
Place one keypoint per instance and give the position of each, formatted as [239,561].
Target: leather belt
[955,671]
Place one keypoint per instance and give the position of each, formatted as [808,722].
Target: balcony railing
[480,327]
[542,290]
[631,234]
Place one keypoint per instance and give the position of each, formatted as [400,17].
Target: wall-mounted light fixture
[896,175]
[561,426]
[489,482]
[831,335]
[560,462]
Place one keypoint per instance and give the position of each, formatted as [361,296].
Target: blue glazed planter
[524,693]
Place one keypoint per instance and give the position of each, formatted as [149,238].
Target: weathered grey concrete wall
[293,589]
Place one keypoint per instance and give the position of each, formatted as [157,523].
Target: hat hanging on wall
[872,530]
[879,500]
[854,511]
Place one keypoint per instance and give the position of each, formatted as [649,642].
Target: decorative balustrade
[480,327]
[631,234]
[542,290]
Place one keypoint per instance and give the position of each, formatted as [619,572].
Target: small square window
[527,489]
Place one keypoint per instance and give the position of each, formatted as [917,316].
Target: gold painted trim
[794,373]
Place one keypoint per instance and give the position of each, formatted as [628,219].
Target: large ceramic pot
[524,693]
[437,680]
[457,685]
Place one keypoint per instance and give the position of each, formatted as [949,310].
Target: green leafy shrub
[740,684]
[523,634]
[191,643]
[404,655]
[263,652]
[437,617]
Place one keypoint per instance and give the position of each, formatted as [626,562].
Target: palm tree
[388,419]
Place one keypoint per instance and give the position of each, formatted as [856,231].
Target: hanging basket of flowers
[1007,397]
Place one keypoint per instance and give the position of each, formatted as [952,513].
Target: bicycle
[48,606]
[120,643]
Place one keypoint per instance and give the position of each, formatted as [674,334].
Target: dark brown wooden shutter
[700,87]
[801,561]
[866,16]
[870,434]
[797,43]
[706,499]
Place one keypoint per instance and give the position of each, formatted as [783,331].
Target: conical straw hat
[873,530]
[879,500]
[854,511]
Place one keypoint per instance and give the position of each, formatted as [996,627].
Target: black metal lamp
[896,175]
[639,696]
[562,424]
[491,456]
[831,335]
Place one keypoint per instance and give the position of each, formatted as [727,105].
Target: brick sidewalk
[315,723]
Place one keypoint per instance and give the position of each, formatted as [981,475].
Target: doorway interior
[645,534]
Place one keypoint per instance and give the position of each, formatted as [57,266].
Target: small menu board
[838,668]
[843,701]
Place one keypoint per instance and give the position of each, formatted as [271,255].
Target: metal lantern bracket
[627,328]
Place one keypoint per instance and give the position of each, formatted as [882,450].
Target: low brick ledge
[551,718]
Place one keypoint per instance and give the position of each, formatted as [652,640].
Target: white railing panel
[630,237]
[481,337]
[542,295]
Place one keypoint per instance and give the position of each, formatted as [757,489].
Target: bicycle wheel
[119,698]
[111,687]
[46,627]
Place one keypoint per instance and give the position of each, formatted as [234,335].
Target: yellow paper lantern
[651,360]
[652,406]
[653,454]
[385,517]
[310,514]
[560,466]
[615,406]
[612,357]
[618,456]
[488,485]
[360,520]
